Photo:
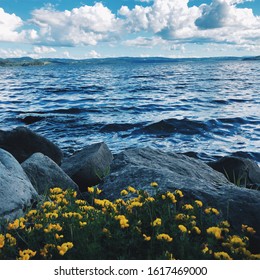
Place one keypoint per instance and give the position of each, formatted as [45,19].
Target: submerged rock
[89,166]
[16,190]
[44,174]
[140,167]
[21,142]
[240,171]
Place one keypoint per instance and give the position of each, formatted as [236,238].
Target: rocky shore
[31,164]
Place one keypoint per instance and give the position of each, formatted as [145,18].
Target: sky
[139,28]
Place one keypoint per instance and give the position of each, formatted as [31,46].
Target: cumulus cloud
[168,18]
[152,23]
[220,21]
[43,50]
[9,23]
[93,54]
[86,25]
[145,42]
[12,53]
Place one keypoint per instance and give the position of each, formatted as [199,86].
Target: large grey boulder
[21,142]
[140,167]
[16,190]
[89,166]
[44,174]
[241,171]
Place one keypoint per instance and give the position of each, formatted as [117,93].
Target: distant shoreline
[28,61]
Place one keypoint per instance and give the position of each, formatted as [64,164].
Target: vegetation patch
[134,226]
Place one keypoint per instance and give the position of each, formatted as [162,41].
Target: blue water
[209,107]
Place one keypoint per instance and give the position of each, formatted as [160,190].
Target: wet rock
[89,166]
[240,171]
[44,174]
[21,142]
[140,167]
[16,190]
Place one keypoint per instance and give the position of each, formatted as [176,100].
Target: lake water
[209,107]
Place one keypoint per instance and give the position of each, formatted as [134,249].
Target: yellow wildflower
[205,249]
[215,211]
[98,191]
[196,230]
[57,236]
[86,208]
[53,227]
[31,213]
[120,201]
[163,196]
[156,222]
[187,207]
[10,238]
[146,238]
[26,254]
[38,226]
[91,189]
[150,199]
[182,228]
[13,225]
[225,224]
[236,240]
[179,193]
[82,224]
[56,190]
[199,203]
[44,252]
[51,215]
[251,230]
[131,189]
[210,210]
[180,217]
[2,241]
[136,204]
[216,231]
[222,256]
[80,202]
[124,192]
[154,185]
[64,248]
[171,196]
[123,221]
[164,236]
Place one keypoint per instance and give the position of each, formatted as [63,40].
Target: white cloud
[93,54]
[9,23]
[145,42]
[169,18]
[43,50]
[12,53]
[86,25]
[220,21]
[161,24]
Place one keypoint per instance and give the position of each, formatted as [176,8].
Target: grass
[135,226]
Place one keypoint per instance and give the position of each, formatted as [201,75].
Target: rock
[16,190]
[240,171]
[44,174]
[140,167]
[89,166]
[21,142]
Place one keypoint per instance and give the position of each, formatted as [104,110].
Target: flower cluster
[136,225]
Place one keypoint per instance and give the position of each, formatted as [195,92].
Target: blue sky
[110,28]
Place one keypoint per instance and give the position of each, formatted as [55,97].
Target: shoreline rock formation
[138,167]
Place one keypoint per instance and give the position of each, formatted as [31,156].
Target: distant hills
[28,61]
